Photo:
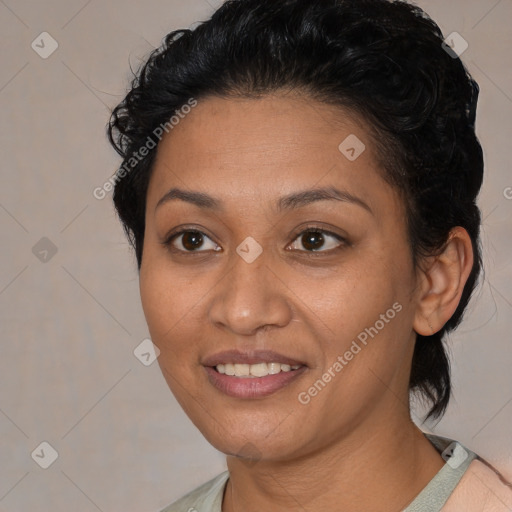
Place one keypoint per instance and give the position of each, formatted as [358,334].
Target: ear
[441,283]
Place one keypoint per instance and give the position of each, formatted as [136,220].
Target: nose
[250,297]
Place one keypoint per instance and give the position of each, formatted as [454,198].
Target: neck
[380,468]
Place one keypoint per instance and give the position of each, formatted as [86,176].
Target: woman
[299,184]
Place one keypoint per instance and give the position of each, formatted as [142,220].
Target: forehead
[245,150]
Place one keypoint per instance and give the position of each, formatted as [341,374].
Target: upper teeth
[255,370]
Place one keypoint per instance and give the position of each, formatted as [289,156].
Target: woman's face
[338,301]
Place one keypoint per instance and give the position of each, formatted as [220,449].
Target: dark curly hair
[384,60]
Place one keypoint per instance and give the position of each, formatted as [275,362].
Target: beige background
[70,324]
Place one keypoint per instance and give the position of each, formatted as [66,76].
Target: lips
[250,357]
[252,387]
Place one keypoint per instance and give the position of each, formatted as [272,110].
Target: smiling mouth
[254,370]
[270,378]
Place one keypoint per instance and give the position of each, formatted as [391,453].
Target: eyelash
[309,229]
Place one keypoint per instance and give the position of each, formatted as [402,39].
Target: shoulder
[466,483]
[481,489]
[206,498]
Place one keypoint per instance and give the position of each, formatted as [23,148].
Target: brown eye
[191,241]
[312,240]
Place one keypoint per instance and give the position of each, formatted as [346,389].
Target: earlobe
[442,282]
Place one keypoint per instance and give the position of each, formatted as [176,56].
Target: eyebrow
[289,202]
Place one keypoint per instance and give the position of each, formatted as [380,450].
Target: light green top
[208,497]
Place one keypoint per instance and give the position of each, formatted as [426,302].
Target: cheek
[166,300]
[154,298]
[169,311]
[367,311]
[174,302]
[364,352]
[356,296]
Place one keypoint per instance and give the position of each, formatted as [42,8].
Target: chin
[252,439]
